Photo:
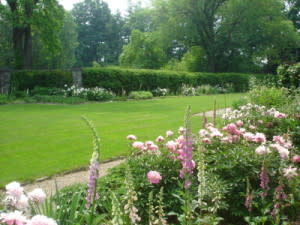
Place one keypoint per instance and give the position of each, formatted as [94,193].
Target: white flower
[290,172]
[261,150]
[37,195]
[14,189]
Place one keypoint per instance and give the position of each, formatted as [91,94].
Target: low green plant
[56,99]
[46,91]
[3,99]
[140,95]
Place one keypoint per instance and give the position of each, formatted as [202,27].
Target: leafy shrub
[121,80]
[56,99]
[25,79]
[46,91]
[268,96]
[3,99]
[289,75]
[160,91]
[140,95]
[92,94]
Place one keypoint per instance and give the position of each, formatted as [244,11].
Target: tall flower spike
[94,165]
[187,163]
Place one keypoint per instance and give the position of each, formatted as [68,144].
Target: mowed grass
[38,140]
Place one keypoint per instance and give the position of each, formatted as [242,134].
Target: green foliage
[142,52]
[23,80]
[140,95]
[46,91]
[289,75]
[56,99]
[195,60]
[99,33]
[268,96]
[3,99]
[127,80]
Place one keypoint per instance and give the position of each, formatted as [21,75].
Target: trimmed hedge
[119,80]
[25,79]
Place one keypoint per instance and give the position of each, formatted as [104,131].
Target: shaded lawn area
[38,140]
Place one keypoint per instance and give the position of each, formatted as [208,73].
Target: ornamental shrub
[289,75]
[140,95]
[26,79]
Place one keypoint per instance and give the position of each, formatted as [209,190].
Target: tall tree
[28,16]
[97,29]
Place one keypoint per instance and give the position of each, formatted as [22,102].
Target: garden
[240,168]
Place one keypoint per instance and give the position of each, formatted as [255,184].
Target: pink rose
[169,133]
[239,123]
[131,137]
[171,145]
[41,220]
[154,177]
[206,140]
[296,159]
[181,130]
[160,139]
[13,218]
[14,189]
[37,195]
[138,145]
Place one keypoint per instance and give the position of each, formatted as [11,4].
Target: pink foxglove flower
[14,189]
[264,181]
[290,172]
[41,220]
[154,177]
[131,137]
[160,139]
[13,218]
[93,176]
[169,133]
[37,195]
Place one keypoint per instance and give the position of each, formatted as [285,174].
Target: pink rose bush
[154,177]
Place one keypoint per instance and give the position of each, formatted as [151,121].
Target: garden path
[48,184]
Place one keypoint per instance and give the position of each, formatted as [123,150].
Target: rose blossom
[260,138]
[203,132]
[239,123]
[41,220]
[261,150]
[296,159]
[14,189]
[279,140]
[138,145]
[249,136]
[131,137]
[279,115]
[154,177]
[290,172]
[22,203]
[206,140]
[171,145]
[160,139]
[13,218]
[169,133]
[37,195]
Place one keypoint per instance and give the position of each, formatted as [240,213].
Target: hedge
[121,80]
[25,79]
[128,80]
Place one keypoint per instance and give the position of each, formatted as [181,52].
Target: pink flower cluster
[17,199]
[154,177]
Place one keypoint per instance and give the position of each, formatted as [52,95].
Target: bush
[56,99]
[46,91]
[92,94]
[126,80]
[140,95]
[25,79]
[3,99]
[289,75]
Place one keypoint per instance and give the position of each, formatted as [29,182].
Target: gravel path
[48,185]
[211,113]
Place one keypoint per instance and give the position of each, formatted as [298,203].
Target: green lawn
[39,139]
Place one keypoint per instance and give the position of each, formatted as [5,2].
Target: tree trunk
[27,48]
[18,34]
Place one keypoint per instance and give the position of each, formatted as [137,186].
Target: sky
[114,5]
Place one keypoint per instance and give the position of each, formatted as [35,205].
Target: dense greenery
[185,35]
